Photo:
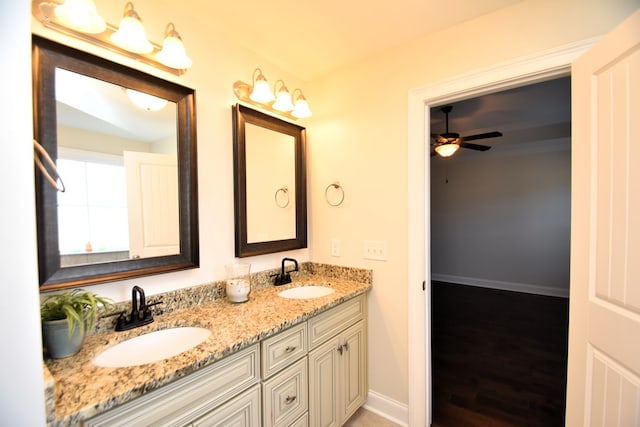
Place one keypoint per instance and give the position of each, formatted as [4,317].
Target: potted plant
[65,318]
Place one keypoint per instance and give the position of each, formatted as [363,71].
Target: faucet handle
[146,309]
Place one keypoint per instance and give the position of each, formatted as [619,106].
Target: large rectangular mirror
[124,145]
[270,183]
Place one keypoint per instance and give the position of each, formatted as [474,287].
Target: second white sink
[151,347]
[306,292]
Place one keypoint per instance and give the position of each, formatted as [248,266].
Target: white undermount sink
[306,292]
[151,347]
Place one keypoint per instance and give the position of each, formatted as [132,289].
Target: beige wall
[358,136]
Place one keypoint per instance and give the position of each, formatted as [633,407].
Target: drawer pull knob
[289,349]
[290,399]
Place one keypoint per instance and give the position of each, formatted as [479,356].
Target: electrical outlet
[335,247]
[375,249]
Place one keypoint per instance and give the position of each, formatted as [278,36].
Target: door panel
[604,327]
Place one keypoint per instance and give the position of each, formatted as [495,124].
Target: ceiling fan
[447,143]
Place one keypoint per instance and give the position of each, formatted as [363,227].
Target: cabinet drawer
[281,350]
[285,395]
[335,320]
[190,397]
[243,410]
[303,421]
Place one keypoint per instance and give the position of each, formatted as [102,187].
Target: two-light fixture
[81,19]
[283,102]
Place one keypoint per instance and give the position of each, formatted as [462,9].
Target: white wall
[358,136]
[21,386]
[503,220]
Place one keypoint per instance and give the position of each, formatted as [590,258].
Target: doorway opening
[500,242]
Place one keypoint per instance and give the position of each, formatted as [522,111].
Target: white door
[152,203]
[604,328]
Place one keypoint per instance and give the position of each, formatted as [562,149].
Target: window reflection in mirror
[118,161]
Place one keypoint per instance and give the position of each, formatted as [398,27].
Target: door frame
[527,70]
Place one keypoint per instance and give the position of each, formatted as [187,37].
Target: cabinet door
[323,389]
[241,411]
[353,370]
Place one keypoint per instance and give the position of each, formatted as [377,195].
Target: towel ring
[54,182]
[282,200]
[336,185]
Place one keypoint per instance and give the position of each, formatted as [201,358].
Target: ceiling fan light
[446,150]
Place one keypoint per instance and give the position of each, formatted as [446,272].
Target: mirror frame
[241,116]
[48,55]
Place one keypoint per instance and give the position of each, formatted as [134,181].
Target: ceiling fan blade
[482,136]
[477,147]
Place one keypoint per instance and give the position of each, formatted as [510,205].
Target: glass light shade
[301,109]
[283,101]
[145,101]
[131,35]
[173,53]
[447,150]
[80,15]
[261,92]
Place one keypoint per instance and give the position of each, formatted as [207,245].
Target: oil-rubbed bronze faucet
[283,278]
[140,313]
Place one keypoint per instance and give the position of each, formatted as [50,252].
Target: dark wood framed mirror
[269,182]
[130,207]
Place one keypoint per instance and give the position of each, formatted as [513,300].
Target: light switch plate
[375,249]
[336,247]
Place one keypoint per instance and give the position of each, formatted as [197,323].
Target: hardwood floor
[499,358]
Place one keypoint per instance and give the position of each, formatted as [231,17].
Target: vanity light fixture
[447,149]
[131,35]
[173,53]
[301,109]
[80,15]
[80,19]
[294,106]
[283,97]
[260,91]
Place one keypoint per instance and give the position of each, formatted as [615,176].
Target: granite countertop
[82,390]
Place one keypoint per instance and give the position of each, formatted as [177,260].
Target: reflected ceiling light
[145,101]
[447,149]
[293,106]
[131,35]
[80,15]
[261,92]
[283,98]
[173,53]
[301,109]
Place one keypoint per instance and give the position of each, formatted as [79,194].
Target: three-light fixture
[259,93]
[80,18]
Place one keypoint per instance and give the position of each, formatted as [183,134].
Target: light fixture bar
[300,110]
[43,12]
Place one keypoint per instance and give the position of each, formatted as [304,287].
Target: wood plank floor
[499,358]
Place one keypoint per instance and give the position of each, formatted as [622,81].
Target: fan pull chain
[446,173]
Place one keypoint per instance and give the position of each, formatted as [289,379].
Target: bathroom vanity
[272,361]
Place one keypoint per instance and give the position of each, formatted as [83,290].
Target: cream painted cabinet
[216,392]
[337,364]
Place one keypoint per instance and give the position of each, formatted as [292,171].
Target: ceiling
[536,116]
[312,38]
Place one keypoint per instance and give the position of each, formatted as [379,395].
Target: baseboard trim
[388,408]
[504,286]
